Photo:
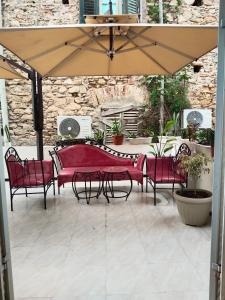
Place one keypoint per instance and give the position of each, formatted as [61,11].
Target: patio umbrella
[109,49]
[7,72]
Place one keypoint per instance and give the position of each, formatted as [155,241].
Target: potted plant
[205,139]
[99,136]
[143,137]
[164,145]
[117,132]
[194,205]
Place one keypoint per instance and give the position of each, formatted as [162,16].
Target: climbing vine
[175,95]
[176,86]
[171,10]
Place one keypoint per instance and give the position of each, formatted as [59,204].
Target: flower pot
[117,139]
[193,211]
[140,140]
[206,149]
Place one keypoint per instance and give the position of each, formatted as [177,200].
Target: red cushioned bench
[84,156]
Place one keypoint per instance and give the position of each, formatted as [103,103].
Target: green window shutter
[88,7]
[131,6]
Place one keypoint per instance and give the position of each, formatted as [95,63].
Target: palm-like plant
[160,149]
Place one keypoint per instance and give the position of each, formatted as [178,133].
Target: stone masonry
[85,95]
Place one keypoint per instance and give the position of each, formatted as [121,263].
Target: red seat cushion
[32,180]
[66,174]
[167,177]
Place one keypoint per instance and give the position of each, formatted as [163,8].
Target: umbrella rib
[52,49]
[135,48]
[93,39]
[68,57]
[167,47]
[136,34]
[149,56]
[87,48]
[12,71]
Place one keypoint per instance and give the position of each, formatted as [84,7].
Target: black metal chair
[28,174]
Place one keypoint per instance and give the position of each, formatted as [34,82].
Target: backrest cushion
[15,168]
[87,155]
[157,166]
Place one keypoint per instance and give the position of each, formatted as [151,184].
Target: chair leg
[45,204]
[53,187]
[173,188]
[154,188]
[26,192]
[11,200]
[58,190]
[142,188]
[146,184]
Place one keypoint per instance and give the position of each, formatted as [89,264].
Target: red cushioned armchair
[28,174]
[166,170]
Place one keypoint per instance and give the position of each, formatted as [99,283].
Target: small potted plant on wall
[143,137]
[194,205]
[99,136]
[205,140]
[117,132]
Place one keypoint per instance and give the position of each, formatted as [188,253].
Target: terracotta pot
[194,211]
[117,139]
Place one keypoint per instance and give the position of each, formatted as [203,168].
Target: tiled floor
[121,251]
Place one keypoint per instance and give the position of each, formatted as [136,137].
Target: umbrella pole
[40,119]
[162,83]
[110,7]
[37,103]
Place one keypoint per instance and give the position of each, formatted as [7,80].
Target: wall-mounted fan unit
[78,127]
[201,116]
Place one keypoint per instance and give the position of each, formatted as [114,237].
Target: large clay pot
[194,211]
[117,139]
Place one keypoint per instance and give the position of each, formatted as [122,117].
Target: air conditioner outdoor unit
[201,116]
[79,127]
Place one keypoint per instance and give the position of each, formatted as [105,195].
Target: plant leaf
[168,149]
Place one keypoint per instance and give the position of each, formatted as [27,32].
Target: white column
[217,280]
[3,102]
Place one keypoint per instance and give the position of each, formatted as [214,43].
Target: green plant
[148,121]
[171,9]
[192,131]
[205,136]
[194,165]
[116,128]
[147,132]
[174,92]
[175,127]
[160,149]
[131,135]
[184,133]
[99,135]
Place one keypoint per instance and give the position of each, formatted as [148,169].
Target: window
[101,7]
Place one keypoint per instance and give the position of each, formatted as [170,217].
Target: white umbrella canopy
[7,72]
[109,49]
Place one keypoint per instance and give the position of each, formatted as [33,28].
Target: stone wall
[85,95]
[202,85]
[72,96]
